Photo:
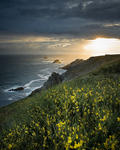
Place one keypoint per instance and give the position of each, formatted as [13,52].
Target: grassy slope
[78,114]
[107,68]
[80,68]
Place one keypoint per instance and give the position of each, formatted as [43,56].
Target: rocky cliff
[80,67]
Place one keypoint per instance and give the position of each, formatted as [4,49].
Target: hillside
[81,67]
[83,113]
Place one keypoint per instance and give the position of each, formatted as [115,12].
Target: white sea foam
[47,61]
[27,85]
[32,89]
[46,71]
[43,77]
[10,98]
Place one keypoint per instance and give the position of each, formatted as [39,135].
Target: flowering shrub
[81,114]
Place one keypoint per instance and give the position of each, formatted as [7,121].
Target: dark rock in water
[54,79]
[17,89]
[57,61]
[45,57]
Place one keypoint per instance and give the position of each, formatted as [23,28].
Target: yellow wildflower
[99,126]
[33,134]
[9,146]
[26,131]
[76,136]
[118,119]
[37,124]
[69,140]
[77,145]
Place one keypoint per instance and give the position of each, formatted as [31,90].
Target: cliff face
[82,67]
[54,79]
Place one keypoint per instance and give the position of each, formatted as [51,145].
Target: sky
[59,26]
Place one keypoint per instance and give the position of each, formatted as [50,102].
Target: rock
[54,79]
[57,61]
[17,89]
[36,91]
[73,64]
[45,57]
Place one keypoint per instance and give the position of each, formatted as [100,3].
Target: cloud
[103,10]
[82,18]
[108,10]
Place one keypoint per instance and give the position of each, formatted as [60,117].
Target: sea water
[28,71]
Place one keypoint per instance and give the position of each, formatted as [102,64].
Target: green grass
[109,68]
[80,114]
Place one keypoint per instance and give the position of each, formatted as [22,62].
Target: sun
[100,45]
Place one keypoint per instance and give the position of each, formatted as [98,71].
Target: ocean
[28,71]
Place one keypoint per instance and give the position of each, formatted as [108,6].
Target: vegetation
[109,68]
[80,114]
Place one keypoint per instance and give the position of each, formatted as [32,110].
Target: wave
[47,61]
[32,85]
[44,77]
[10,98]
[29,83]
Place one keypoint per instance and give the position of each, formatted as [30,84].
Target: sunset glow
[101,45]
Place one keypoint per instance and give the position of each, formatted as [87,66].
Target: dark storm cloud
[94,9]
[107,10]
[81,17]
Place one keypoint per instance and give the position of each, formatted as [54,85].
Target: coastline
[18,79]
[91,95]
[79,67]
[73,70]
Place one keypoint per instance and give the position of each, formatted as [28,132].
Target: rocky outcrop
[77,68]
[17,89]
[57,61]
[82,67]
[73,64]
[54,79]
[45,57]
